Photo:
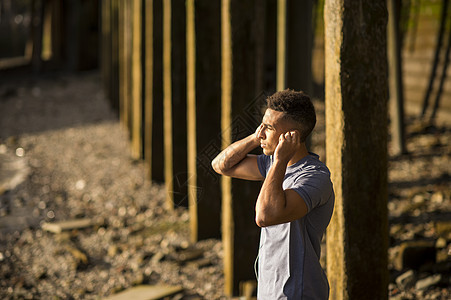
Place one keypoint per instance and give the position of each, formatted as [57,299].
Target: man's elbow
[217,167]
[262,220]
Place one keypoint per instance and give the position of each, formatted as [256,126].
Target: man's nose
[261,134]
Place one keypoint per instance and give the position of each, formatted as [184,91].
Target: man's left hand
[287,146]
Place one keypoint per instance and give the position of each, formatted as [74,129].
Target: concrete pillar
[356,147]
[240,56]
[204,116]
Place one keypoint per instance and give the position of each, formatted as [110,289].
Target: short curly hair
[297,106]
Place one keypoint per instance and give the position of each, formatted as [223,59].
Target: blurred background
[105,142]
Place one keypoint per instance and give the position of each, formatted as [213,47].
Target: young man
[296,200]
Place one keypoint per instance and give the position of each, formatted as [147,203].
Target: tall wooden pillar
[153,95]
[174,102]
[204,115]
[125,50]
[299,45]
[356,147]
[396,84]
[114,69]
[106,46]
[136,80]
[157,124]
[240,42]
[294,45]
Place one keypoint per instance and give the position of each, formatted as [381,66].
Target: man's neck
[300,154]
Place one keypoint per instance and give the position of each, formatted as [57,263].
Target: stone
[406,280]
[443,228]
[441,243]
[414,254]
[13,171]
[428,282]
[146,292]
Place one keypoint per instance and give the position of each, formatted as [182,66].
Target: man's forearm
[234,153]
[271,200]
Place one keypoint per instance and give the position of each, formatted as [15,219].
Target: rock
[428,281]
[443,228]
[441,243]
[414,254]
[13,171]
[406,280]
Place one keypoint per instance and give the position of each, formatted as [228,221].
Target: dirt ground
[64,156]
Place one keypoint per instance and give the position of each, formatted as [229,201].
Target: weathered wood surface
[356,147]
[204,115]
[146,292]
[174,102]
[240,42]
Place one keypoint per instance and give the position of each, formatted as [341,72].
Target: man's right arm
[235,160]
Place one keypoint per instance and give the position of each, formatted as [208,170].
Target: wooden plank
[356,148]
[239,84]
[203,85]
[146,292]
[58,227]
[174,91]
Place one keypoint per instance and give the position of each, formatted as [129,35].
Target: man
[296,200]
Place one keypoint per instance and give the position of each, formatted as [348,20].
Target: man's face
[273,126]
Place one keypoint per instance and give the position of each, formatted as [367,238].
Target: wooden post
[153,129]
[57,32]
[73,13]
[270,48]
[174,89]
[114,76]
[356,147]
[37,16]
[125,63]
[299,43]
[106,46]
[281,44]
[148,84]
[203,26]
[240,41]
[136,81]
[395,76]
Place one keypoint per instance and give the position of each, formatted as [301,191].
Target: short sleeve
[264,163]
[314,189]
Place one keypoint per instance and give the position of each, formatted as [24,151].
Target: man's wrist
[255,140]
[281,162]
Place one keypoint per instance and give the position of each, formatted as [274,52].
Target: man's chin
[267,152]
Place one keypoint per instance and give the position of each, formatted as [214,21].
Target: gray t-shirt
[288,264]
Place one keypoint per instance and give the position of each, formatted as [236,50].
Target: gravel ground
[71,158]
